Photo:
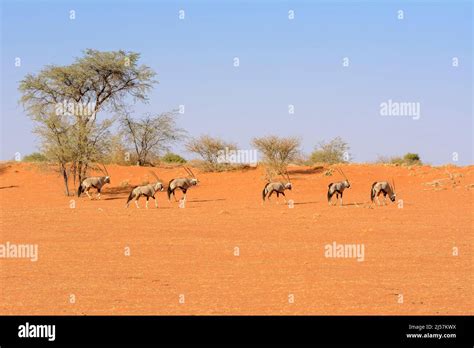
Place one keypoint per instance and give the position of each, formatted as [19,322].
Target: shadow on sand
[7,187]
[303,203]
[308,171]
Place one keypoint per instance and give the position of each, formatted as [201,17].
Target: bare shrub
[151,136]
[277,153]
[209,149]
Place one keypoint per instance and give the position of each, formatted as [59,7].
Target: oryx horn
[190,172]
[342,173]
[105,171]
[288,176]
[156,176]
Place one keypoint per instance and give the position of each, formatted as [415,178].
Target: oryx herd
[378,187]
[271,187]
[147,191]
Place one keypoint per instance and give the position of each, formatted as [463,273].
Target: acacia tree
[64,102]
[277,152]
[152,135]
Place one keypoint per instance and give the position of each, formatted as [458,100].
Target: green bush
[172,158]
[35,157]
[407,160]
[332,152]
[412,158]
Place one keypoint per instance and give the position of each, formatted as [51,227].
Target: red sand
[190,251]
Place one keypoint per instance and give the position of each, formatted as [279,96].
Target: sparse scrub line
[408,159]
[441,183]
[277,152]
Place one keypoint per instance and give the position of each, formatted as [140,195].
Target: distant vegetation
[172,158]
[35,157]
[332,152]
[408,159]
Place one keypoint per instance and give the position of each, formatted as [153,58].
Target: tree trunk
[73,172]
[65,177]
[79,179]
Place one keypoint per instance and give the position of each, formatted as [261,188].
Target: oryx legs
[135,199]
[174,195]
[156,202]
[270,194]
[281,193]
[384,197]
[87,193]
[182,190]
[338,193]
[91,197]
[184,194]
[147,200]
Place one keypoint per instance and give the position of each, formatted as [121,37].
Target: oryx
[96,182]
[384,187]
[181,183]
[146,190]
[338,188]
[278,187]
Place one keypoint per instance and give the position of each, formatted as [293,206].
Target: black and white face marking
[159,186]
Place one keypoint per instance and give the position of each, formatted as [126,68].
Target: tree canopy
[64,102]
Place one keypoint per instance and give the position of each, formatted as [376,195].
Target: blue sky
[282,62]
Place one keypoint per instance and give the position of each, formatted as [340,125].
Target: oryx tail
[130,196]
[372,192]
[80,189]
[264,192]
[330,194]
[169,191]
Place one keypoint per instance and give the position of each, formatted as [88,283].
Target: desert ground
[226,253]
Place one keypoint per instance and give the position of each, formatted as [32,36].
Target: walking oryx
[338,187]
[96,182]
[384,187]
[278,187]
[147,190]
[181,183]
